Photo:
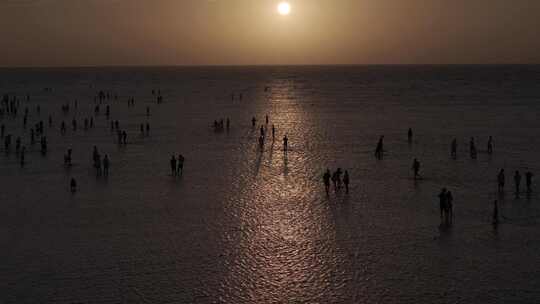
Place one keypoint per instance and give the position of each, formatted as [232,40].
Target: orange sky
[193,32]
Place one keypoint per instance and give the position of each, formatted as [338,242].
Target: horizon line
[259,65]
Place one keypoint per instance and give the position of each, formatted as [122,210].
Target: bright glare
[284,8]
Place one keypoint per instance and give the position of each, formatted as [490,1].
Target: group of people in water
[10,104]
[147,129]
[445,196]
[263,129]
[379,151]
[472,148]
[177,165]
[219,126]
[445,205]
[97,163]
[517,181]
[337,181]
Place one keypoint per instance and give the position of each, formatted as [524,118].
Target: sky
[251,32]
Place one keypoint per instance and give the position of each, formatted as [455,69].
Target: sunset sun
[284,8]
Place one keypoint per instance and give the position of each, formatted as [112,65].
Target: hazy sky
[179,32]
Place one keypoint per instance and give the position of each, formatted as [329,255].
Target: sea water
[251,225]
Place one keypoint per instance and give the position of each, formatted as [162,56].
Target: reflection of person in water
[416,168]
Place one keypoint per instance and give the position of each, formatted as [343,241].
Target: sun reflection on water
[285,249]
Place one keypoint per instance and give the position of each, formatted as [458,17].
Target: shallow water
[245,226]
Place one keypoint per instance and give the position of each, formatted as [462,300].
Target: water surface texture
[249,226]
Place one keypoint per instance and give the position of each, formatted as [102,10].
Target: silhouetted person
[453,152]
[266,119]
[262,131]
[253,121]
[442,202]
[409,135]
[106,164]
[147,128]
[336,178]
[173,166]
[416,168]
[346,181]
[285,143]
[7,142]
[490,145]
[528,180]
[142,129]
[180,170]
[124,137]
[517,181]
[95,153]
[67,158]
[97,165]
[472,148]
[23,152]
[500,180]
[379,149]
[326,180]
[449,206]
[273,131]
[73,185]
[261,142]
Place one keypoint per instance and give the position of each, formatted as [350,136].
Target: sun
[284,8]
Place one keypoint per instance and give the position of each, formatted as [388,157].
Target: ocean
[251,225]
